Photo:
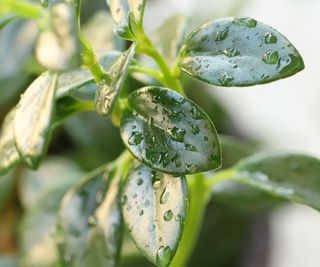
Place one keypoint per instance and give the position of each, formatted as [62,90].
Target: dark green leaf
[90,222]
[6,19]
[238,52]
[169,36]
[33,119]
[108,91]
[127,14]
[169,133]
[58,47]
[154,207]
[81,78]
[9,155]
[292,177]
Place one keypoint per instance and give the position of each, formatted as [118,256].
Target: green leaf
[238,52]
[6,19]
[58,46]
[81,78]
[108,91]
[169,36]
[154,207]
[169,133]
[127,14]
[90,217]
[292,177]
[33,119]
[9,155]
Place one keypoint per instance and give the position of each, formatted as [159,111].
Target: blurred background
[279,116]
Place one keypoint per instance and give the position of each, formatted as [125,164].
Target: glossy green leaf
[238,52]
[108,91]
[127,14]
[6,19]
[169,133]
[90,222]
[169,36]
[81,78]
[292,177]
[33,119]
[58,47]
[154,207]
[9,155]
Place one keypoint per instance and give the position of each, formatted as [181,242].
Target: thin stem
[149,71]
[146,46]
[22,8]
[220,176]
[199,198]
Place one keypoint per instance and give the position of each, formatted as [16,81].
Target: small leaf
[9,155]
[292,177]
[122,10]
[58,47]
[81,78]
[33,119]
[154,207]
[90,217]
[169,36]
[108,91]
[238,52]
[169,133]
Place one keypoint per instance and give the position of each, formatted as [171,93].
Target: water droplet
[146,203]
[176,160]
[194,129]
[196,114]
[245,21]
[270,57]
[124,200]
[290,63]
[156,99]
[168,215]
[225,79]
[164,196]
[140,181]
[135,139]
[270,38]
[190,147]
[164,255]
[141,212]
[177,133]
[92,220]
[231,52]
[222,34]
[151,227]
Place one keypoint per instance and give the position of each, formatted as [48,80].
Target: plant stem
[199,197]
[170,80]
[149,71]
[22,8]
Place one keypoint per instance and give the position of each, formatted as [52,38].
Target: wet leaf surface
[32,122]
[169,133]
[90,215]
[107,91]
[238,52]
[154,207]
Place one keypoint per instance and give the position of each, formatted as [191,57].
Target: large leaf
[90,217]
[238,52]
[108,91]
[33,119]
[81,78]
[169,133]
[292,177]
[154,207]
[9,155]
[127,14]
[58,47]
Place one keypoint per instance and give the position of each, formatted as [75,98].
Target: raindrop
[141,212]
[231,52]
[194,129]
[270,38]
[177,133]
[164,256]
[225,79]
[245,21]
[124,200]
[135,139]
[168,215]
[270,57]
[222,35]
[190,147]
[195,113]
[164,196]
[140,181]
[151,227]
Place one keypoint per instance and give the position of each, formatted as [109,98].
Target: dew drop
[190,147]
[270,57]
[135,139]
[168,215]
[225,79]
[124,200]
[270,38]
[231,52]
[177,133]
[164,255]
[222,34]
[164,196]
[245,21]
[196,114]
[141,212]
[140,181]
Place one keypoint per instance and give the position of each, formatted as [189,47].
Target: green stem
[199,197]
[170,80]
[149,71]
[22,8]
[220,176]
